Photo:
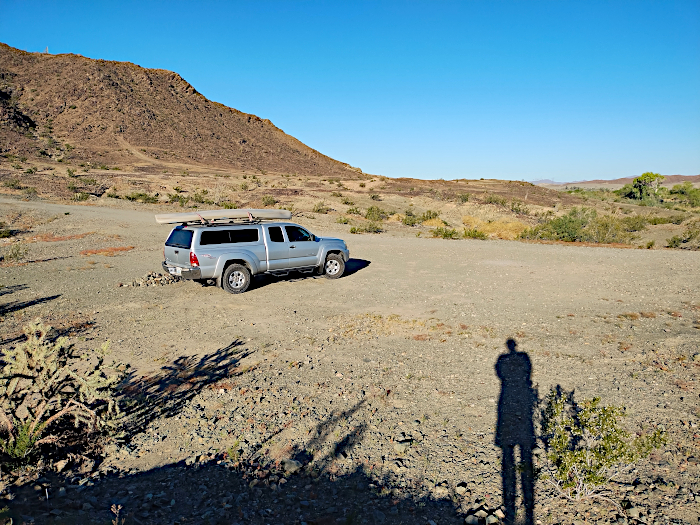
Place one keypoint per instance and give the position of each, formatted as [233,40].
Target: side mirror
[313,238]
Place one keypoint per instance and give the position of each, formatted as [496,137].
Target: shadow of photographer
[515,427]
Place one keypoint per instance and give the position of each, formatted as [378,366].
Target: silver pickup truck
[225,247]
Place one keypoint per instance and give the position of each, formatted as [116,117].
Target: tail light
[193,259]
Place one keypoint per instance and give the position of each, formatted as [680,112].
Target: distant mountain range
[669,179]
[105,111]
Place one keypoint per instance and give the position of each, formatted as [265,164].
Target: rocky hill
[72,107]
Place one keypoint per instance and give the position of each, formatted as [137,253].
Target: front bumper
[185,273]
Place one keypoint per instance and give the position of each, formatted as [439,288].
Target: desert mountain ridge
[109,112]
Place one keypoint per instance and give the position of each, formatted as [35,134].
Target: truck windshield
[180,239]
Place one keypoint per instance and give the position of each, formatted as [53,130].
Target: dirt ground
[380,386]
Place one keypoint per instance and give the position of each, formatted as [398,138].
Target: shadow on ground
[218,490]
[351,267]
[166,392]
[16,306]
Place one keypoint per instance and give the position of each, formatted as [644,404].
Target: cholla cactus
[42,385]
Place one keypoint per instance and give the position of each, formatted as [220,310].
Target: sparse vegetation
[342,220]
[354,211]
[347,201]
[13,184]
[445,233]
[269,200]
[370,227]
[463,197]
[585,445]
[375,197]
[141,197]
[16,252]
[320,207]
[495,199]
[473,233]
[81,196]
[375,213]
[585,225]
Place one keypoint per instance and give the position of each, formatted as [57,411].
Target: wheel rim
[332,267]
[236,279]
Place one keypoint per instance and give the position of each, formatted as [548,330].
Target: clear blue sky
[566,90]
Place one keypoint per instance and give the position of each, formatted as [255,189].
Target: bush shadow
[300,487]
[15,306]
[165,392]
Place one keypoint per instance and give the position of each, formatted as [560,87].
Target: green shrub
[336,194]
[228,205]
[30,192]
[445,233]
[495,199]
[362,184]
[343,220]
[410,219]
[473,233]
[320,207]
[646,186]
[568,227]
[347,201]
[463,197]
[14,184]
[138,196]
[691,233]
[176,197]
[370,227]
[674,219]
[30,171]
[268,200]
[519,207]
[112,195]
[5,232]
[45,385]
[354,211]
[375,213]
[70,172]
[585,445]
[375,197]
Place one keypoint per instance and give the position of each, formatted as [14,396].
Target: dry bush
[499,228]
[44,385]
[434,223]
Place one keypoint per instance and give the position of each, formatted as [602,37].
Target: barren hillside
[72,107]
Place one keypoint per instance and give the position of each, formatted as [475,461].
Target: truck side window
[275,234]
[245,235]
[297,234]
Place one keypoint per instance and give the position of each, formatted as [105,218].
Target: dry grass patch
[50,237]
[435,222]
[499,229]
[107,252]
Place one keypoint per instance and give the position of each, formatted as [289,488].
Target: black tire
[334,266]
[236,279]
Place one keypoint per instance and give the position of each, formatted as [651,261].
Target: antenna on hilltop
[46,50]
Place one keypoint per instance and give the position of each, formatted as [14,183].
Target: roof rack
[209,217]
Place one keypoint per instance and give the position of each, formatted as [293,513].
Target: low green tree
[585,445]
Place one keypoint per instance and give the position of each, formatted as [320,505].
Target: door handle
[292,246]
[177,251]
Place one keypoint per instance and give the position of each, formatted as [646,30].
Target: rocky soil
[370,399]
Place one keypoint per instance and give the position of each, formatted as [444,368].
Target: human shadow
[515,427]
[6,290]
[166,392]
[21,305]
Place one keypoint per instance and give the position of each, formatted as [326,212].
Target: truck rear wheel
[236,279]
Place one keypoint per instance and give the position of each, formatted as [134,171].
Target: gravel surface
[368,399]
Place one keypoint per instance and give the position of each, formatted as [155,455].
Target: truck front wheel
[236,278]
[334,266]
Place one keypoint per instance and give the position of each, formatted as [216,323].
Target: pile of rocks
[152,279]
[480,513]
